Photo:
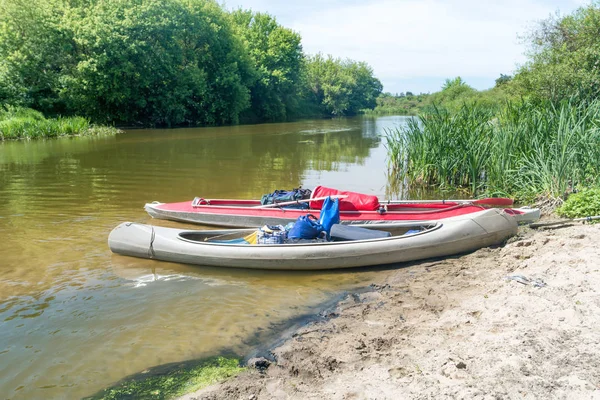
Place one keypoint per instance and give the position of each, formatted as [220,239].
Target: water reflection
[75,318]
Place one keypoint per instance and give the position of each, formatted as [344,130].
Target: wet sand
[453,328]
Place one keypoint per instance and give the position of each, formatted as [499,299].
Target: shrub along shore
[25,123]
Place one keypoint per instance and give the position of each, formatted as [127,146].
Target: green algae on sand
[179,380]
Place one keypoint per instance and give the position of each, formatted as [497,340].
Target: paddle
[563,221]
[289,203]
[490,201]
[494,201]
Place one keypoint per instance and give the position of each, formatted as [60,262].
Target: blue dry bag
[330,214]
[305,227]
[286,196]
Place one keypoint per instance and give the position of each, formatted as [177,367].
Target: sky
[415,45]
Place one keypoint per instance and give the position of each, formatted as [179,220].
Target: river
[74,318]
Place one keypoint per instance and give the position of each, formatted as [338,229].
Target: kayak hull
[436,239]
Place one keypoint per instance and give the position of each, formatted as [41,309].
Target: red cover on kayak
[354,201]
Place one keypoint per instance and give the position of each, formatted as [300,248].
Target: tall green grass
[25,123]
[525,150]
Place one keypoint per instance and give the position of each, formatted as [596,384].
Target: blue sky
[414,45]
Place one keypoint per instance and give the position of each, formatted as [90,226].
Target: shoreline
[164,379]
[452,328]
[92,131]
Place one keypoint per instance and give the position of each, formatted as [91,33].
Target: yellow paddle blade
[251,238]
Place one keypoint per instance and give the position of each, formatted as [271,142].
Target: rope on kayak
[151,253]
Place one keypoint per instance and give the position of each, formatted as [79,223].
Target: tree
[341,87]
[453,89]
[35,52]
[564,57]
[168,62]
[366,88]
[503,80]
[145,62]
[158,62]
[277,57]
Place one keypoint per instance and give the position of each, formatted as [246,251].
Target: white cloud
[417,39]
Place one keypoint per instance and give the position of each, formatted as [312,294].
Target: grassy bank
[526,150]
[169,382]
[25,123]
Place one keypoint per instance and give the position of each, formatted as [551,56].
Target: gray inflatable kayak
[409,241]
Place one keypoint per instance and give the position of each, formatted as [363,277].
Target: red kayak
[355,208]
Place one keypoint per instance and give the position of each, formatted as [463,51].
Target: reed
[525,150]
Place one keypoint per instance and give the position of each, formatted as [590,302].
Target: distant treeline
[563,63]
[168,62]
[453,94]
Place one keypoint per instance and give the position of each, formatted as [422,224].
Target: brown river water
[74,318]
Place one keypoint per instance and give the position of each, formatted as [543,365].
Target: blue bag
[305,227]
[285,196]
[330,214]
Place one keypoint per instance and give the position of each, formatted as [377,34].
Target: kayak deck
[245,215]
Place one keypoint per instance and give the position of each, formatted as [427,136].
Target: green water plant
[173,383]
[442,148]
[558,149]
[533,151]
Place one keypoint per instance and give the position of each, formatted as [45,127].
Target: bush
[583,204]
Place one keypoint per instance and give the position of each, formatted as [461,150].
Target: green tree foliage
[503,80]
[35,50]
[341,87]
[277,57]
[452,90]
[167,62]
[366,87]
[124,61]
[399,104]
[158,62]
[564,57]
[455,93]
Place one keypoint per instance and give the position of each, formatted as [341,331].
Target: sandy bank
[454,328]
